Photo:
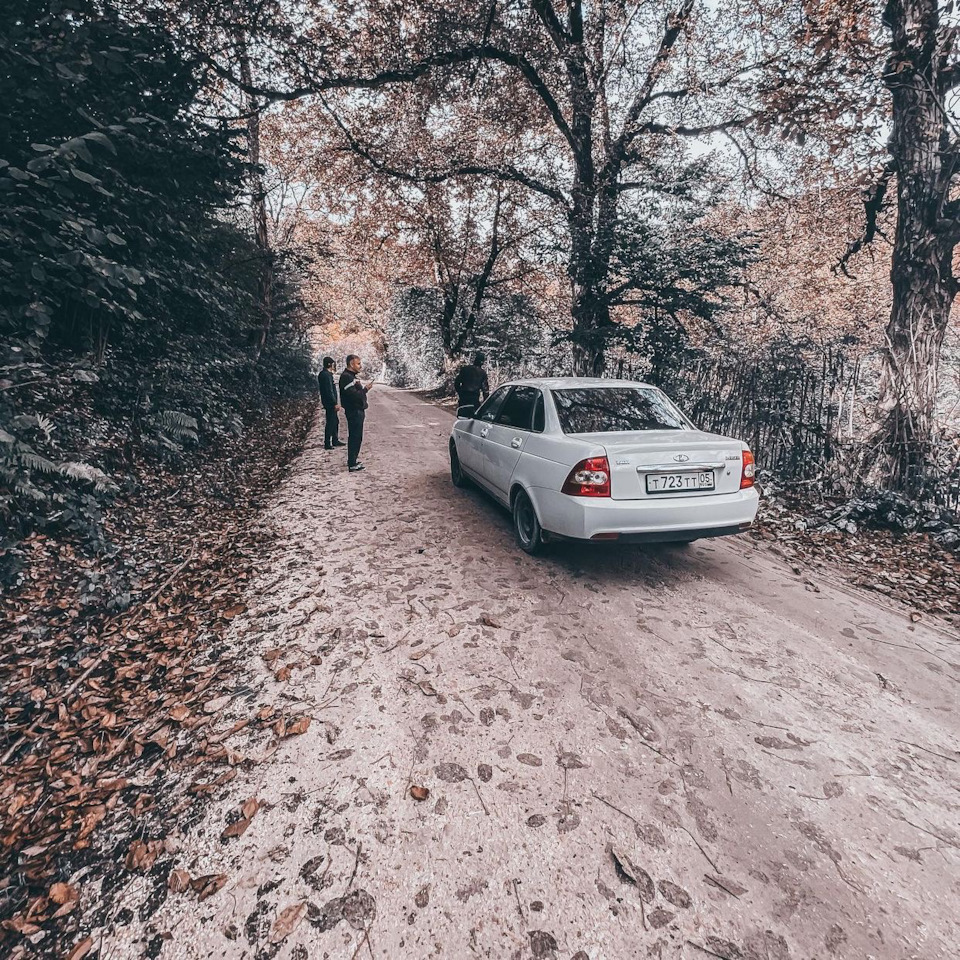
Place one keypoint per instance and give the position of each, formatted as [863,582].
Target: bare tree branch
[506,172]
[872,205]
[467,54]
[674,26]
[548,16]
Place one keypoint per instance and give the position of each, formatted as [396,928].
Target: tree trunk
[923,294]
[258,207]
[923,283]
[591,318]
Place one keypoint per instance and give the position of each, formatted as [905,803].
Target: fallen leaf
[216,705]
[287,921]
[178,881]
[629,872]
[179,713]
[143,854]
[234,611]
[273,654]
[451,772]
[208,885]
[624,866]
[419,793]
[543,945]
[81,949]
[61,893]
[489,621]
[236,829]
[915,617]
[725,884]
[301,725]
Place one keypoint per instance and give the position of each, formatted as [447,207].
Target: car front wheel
[457,475]
[526,526]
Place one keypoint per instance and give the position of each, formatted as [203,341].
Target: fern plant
[37,486]
[175,428]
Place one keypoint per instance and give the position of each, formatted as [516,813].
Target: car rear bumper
[674,518]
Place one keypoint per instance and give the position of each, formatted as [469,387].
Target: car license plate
[680,482]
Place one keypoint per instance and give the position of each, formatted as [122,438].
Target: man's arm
[324,384]
[485,387]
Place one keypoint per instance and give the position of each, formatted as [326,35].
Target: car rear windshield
[613,409]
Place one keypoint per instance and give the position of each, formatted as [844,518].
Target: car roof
[574,383]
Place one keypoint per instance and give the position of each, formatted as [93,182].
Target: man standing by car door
[331,404]
[353,396]
[471,383]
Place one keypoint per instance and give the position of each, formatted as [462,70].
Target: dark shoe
[327,447]
[339,443]
[355,468]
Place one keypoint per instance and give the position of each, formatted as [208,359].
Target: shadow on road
[613,564]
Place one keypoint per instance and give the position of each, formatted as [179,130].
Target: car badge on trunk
[623,463]
[681,458]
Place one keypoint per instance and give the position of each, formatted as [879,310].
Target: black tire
[457,475]
[526,526]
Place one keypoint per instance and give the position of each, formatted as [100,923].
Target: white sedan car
[589,459]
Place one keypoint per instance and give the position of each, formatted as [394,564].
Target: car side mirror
[466,412]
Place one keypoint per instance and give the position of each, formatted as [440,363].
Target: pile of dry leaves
[115,680]
[909,567]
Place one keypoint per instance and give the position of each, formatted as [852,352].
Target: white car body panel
[502,459]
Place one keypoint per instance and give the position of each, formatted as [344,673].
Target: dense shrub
[127,268]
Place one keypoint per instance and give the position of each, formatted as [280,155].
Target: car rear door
[507,437]
[472,435]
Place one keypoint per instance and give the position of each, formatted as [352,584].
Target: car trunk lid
[642,462]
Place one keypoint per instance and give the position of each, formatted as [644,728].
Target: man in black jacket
[353,396]
[471,382]
[328,397]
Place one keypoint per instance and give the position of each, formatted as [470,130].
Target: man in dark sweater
[471,382]
[353,396]
[331,404]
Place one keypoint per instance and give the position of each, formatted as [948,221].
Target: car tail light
[749,469]
[589,478]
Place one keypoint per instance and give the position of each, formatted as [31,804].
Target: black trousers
[468,399]
[355,420]
[331,428]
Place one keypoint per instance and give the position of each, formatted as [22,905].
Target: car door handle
[484,431]
[516,442]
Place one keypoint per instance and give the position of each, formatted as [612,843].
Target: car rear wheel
[526,526]
[457,475]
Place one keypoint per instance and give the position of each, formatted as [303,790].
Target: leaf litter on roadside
[113,712]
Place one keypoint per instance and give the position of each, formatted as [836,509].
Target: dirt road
[629,752]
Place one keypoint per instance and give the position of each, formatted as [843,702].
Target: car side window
[518,410]
[539,416]
[491,406]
